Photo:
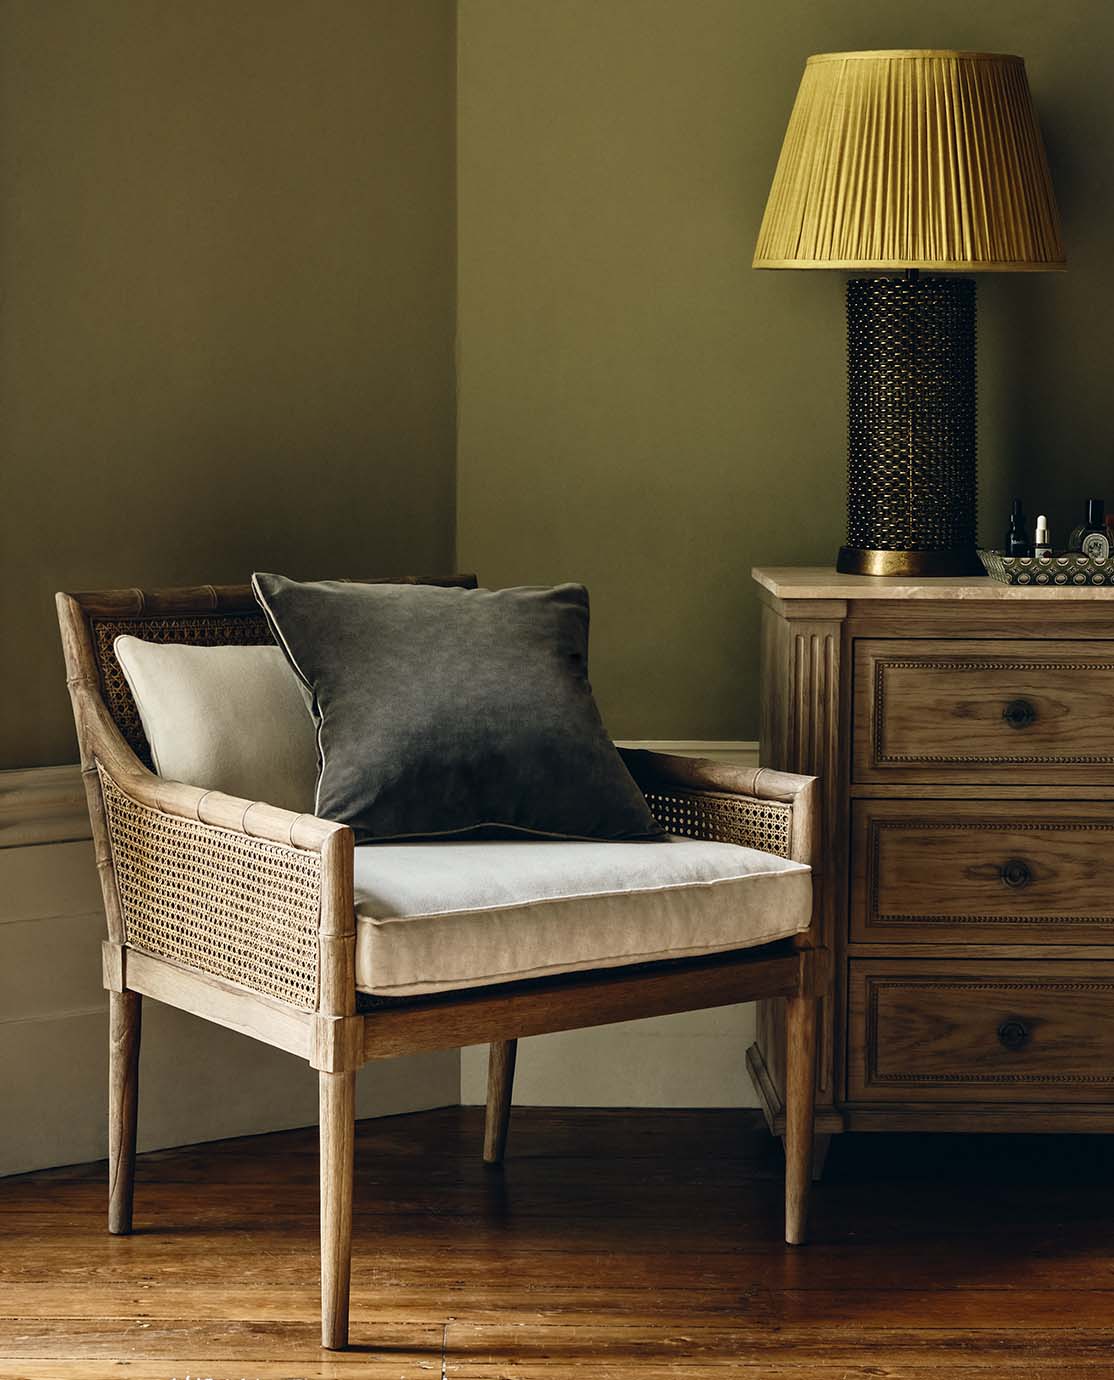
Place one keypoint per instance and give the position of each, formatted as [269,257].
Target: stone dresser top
[822,582]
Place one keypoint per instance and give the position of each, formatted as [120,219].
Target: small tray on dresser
[1068,568]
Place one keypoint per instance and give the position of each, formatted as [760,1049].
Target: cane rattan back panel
[205,616]
[200,630]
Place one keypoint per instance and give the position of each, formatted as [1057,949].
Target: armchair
[246,915]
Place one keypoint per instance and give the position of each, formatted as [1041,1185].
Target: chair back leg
[500,1087]
[124,1013]
[337,1097]
[800,1107]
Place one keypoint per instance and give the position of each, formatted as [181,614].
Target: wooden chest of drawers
[965,734]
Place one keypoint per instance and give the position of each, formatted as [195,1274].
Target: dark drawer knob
[1019,713]
[1013,1034]
[1016,873]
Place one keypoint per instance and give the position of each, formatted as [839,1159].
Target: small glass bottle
[1090,537]
[1017,537]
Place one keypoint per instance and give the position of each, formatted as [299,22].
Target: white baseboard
[42,805]
[199,1082]
[693,1059]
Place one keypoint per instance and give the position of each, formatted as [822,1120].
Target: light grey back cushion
[448,711]
[229,719]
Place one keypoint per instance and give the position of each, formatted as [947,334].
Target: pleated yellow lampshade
[912,159]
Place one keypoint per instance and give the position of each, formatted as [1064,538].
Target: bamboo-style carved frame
[143,825]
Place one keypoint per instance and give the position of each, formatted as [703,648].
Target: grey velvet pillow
[447,711]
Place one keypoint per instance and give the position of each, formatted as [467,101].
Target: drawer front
[977,872]
[983,711]
[924,1031]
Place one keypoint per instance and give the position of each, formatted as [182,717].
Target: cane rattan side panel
[225,903]
[199,630]
[761,824]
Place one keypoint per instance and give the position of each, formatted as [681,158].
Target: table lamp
[908,165]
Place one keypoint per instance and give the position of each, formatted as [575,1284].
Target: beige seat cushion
[435,917]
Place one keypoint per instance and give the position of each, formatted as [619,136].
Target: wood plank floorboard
[612,1244]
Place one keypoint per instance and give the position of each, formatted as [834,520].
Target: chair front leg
[800,1112]
[124,1013]
[337,1097]
[500,1087]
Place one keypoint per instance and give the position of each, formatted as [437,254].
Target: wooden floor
[633,1244]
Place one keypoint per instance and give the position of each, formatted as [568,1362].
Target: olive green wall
[227,270]
[641,410]
[227,283]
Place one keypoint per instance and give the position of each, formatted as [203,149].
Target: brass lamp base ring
[854,560]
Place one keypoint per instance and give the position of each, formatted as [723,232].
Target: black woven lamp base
[911,427]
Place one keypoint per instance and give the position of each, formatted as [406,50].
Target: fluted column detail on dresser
[964,732]
[801,657]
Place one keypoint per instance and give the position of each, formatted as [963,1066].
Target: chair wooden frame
[174,937]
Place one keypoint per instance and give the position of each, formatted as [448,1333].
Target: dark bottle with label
[1090,537]
[1017,537]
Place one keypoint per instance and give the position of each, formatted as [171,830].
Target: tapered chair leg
[337,1096]
[500,1087]
[800,1112]
[124,1012]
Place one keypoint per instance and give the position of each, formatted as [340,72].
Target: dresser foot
[821,1144]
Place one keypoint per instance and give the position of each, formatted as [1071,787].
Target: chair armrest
[236,889]
[695,796]
[774,811]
